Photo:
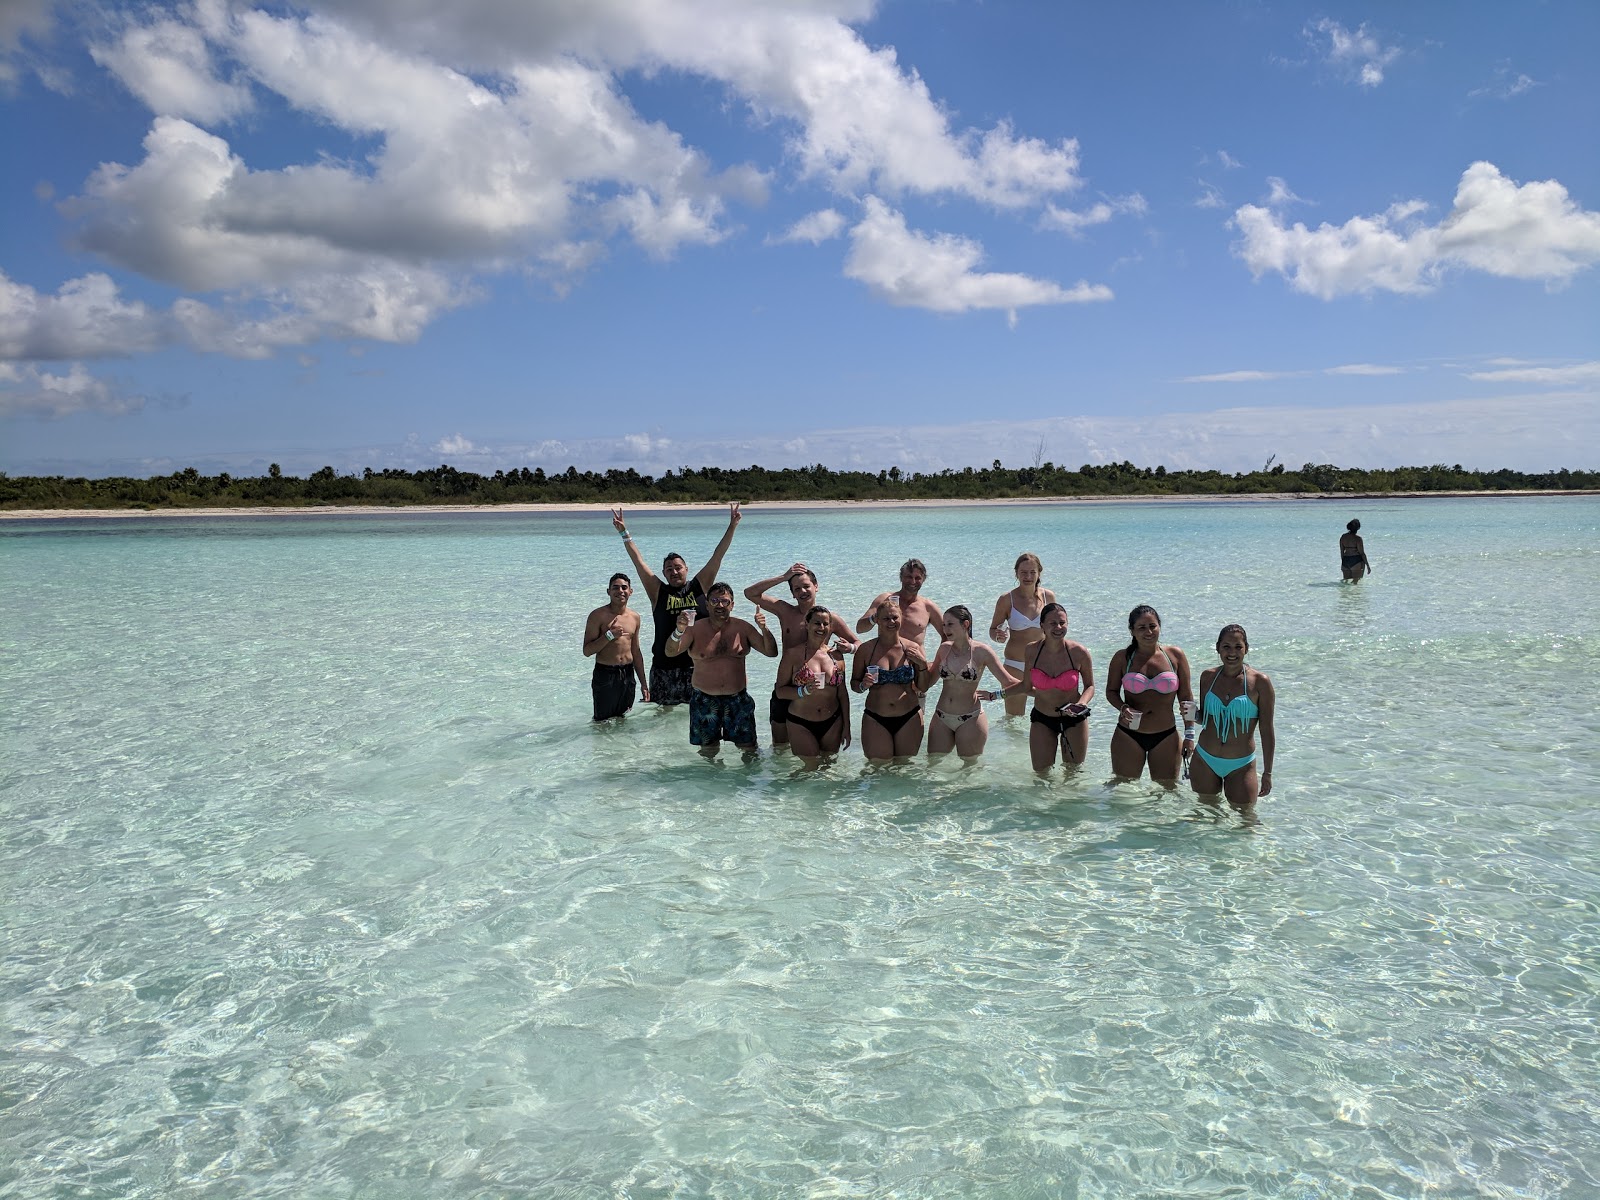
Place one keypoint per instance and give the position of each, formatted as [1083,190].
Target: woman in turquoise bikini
[1235,701]
[893,673]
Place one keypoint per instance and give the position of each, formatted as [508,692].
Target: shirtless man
[719,705]
[917,612]
[670,596]
[611,636]
[802,581]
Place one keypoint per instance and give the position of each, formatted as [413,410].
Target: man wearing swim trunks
[917,612]
[802,581]
[719,704]
[611,637]
[672,594]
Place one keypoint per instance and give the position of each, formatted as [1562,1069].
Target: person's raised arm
[763,640]
[1267,707]
[756,593]
[936,620]
[865,621]
[707,575]
[678,640]
[647,577]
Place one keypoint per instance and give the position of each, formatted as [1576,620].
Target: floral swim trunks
[713,719]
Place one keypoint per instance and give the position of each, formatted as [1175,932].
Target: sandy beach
[37,514]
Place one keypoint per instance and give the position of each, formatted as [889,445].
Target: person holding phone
[1060,678]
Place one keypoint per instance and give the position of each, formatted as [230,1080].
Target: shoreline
[322,510]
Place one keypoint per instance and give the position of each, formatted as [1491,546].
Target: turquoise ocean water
[317,881]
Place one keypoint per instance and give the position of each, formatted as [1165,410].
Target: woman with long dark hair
[1236,700]
[1148,681]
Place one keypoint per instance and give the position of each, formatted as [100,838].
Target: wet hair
[1028,556]
[1239,629]
[1133,642]
[961,613]
[890,601]
[617,576]
[1353,526]
[717,587]
[815,609]
[1050,608]
[913,564]
[809,574]
[670,557]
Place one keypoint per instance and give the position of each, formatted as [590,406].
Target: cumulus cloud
[168,65]
[939,272]
[816,228]
[1573,374]
[499,137]
[30,391]
[454,444]
[1210,196]
[19,20]
[1356,56]
[1073,223]
[87,318]
[1526,231]
[1506,85]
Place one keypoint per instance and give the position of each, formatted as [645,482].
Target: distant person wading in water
[1353,554]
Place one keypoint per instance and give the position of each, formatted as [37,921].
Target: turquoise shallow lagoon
[317,881]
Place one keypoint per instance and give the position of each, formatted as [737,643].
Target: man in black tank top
[671,593]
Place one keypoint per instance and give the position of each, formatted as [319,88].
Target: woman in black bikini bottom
[893,673]
[811,679]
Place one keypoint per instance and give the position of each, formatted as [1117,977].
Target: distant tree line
[446,485]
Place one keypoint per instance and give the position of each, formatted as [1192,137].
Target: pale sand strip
[315,510]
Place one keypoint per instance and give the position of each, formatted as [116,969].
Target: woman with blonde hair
[959,722]
[1015,623]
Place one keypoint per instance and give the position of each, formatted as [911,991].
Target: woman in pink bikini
[812,680]
[958,719]
[1016,621]
[1148,681]
[1060,678]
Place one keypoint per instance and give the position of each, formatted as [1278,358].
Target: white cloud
[1279,193]
[1240,377]
[20,19]
[938,272]
[455,444]
[1074,223]
[1506,85]
[1228,160]
[816,228]
[1572,375]
[30,391]
[1210,196]
[168,65]
[1363,369]
[1357,57]
[1528,231]
[87,318]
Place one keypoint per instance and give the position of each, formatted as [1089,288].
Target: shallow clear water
[318,881]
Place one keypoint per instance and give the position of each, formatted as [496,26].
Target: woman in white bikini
[958,719]
[1016,622]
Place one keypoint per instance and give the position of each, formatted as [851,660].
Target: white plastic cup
[1188,711]
[1131,717]
[872,674]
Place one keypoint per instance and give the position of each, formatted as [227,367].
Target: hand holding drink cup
[1131,717]
[872,674]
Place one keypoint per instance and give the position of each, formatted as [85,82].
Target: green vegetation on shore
[446,485]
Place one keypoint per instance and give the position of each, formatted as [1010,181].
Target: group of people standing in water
[699,649]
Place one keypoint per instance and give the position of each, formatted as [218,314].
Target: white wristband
[677,635]
[610,637]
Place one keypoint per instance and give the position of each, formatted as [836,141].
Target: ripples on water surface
[317,881]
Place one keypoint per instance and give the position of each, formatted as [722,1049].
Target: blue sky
[654,233]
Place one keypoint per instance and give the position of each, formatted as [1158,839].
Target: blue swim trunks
[715,719]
